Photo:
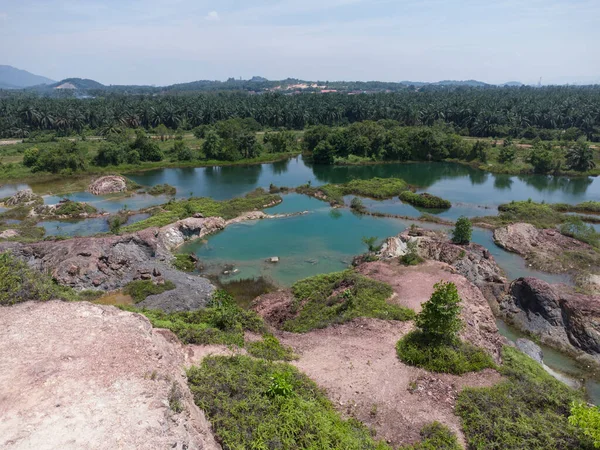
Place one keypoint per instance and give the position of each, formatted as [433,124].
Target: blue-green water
[87,227]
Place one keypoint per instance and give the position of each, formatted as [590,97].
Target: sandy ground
[83,376]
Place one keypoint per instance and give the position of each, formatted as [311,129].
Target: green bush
[162,189]
[221,322]
[424,200]
[435,437]
[529,410]
[587,419]
[270,349]
[185,262]
[252,403]
[411,257]
[462,231]
[456,357]
[71,208]
[357,205]
[140,289]
[19,283]
[338,297]
[439,319]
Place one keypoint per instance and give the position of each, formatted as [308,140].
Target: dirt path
[83,376]
[357,365]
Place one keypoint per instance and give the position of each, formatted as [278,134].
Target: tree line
[525,112]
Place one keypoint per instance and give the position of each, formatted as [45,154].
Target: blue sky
[163,42]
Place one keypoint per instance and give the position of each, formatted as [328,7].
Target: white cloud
[213,16]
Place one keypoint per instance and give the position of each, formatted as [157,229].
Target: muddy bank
[77,375]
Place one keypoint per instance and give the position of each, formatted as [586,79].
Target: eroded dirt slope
[83,376]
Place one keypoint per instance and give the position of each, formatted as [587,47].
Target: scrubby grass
[247,289]
[435,437]
[457,357]
[27,229]
[256,404]
[378,188]
[271,349]
[184,262]
[589,207]
[208,207]
[222,322]
[162,189]
[529,410]
[339,297]
[71,208]
[138,290]
[540,215]
[424,200]
[19,283]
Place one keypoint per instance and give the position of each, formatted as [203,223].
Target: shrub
[185,262]
[587,419]
[439,319]
[576,228]
[462,231]
[529,410]
[411,257]
[162,189]
[416,349]
[270,349]
[340,297]
[140,289]
[115,223]
[357,205]
[424,200]
[259,404]
[370,243]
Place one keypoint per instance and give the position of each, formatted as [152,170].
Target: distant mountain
[472,83]
[257,79]
[13,78]
[513,84]
[77,83]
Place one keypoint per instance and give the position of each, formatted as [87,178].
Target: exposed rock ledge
[568,321]
[110,184]
[77,375]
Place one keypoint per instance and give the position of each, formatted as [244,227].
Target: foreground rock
[109,184]
[77,375]
[566,320]
[545,250]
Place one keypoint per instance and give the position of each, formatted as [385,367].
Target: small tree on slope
[439,320]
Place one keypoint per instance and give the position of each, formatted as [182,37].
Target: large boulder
[109,184]
[559,317]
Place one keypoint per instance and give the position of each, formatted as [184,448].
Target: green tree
[507,154]
[462,231]
[182,152]
[587,419]
[541,158]
[162,132]
[212,145]
[30,157]
[580,157]
[324,153]
[439,319]
[370,243]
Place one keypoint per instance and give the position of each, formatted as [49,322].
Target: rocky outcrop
[24,197]
[9,234]
[531,349]
[78,375]
[473,261]
[563,319]
[109,184]
[543,249]
[172,236]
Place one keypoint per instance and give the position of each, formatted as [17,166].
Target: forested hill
[491,111]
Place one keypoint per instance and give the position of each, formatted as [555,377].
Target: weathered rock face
[8,234]
[109,184]
[472,261]
[77,375]
[560,318]
[23,198]
[543,249]
[531,349]
[109,263]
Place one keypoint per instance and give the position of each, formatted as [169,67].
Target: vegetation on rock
[462,231]
[424,200]
[162,189]
[270,348]
[140,289]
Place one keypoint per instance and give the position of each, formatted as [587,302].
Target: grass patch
[435,437]
[270,349]
[529,410]
[19,283]
[378,188]
[208,207]
[457,358]
[222,322]
[589,207]
[162,189]
[185,262]
[424,200]
[71,208]
[138,290]
[339,297]
[252,403]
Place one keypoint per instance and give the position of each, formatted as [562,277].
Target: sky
[162,42]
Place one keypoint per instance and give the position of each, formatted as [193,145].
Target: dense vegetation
[424,200]
[550,112]
[435,344]
[20,283]
[338,297]
[530,409]
[258,404]
[378,188]
[140,289]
